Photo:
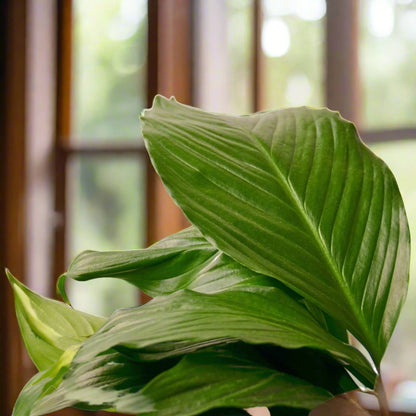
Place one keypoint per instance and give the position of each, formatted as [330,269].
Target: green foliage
[49,327]
[294,180]
[43,384]
[299,237]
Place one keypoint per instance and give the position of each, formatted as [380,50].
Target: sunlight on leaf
[49,327]
[277,191]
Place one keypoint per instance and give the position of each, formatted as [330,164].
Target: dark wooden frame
[12,190]
[342,76]
[258,58]
[62,128]
[169,73]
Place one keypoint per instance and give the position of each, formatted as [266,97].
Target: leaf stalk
[382,396]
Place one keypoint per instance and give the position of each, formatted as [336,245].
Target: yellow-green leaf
[49,327]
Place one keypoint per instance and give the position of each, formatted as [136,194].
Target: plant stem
[381,396]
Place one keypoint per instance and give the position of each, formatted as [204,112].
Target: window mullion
[257,59]
[343,90]
[63,129]
[169,73]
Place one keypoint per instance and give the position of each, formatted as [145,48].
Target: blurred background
[75,76]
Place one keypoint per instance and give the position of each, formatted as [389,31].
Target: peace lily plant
[299,241]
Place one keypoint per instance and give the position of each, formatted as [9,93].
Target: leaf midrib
[292,194]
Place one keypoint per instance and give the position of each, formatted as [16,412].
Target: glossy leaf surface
[205,380]
[49,327]
[255,315]
[43,383]
[293,194]
[183,260]
[199,382]
[312,365]
[103,383]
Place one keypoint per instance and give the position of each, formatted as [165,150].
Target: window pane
[109,68]
[400,360]
[387,51]
[292,41]
[223,53]
[105,212]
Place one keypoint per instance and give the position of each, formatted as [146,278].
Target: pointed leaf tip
[10,277]
[49,327]
[60,288]
[276,191]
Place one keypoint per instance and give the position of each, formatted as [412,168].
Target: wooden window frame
[169,73]
[165,75]
[12,189]
[343,82]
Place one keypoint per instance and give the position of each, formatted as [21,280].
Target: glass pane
[292,41]
[106,211]
[400,359]
[109,68]
[222,47]
[387,52]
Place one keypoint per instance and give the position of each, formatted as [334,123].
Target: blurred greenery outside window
[387,59]
[107,194]
[292,41]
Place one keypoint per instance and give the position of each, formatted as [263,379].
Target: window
[111,57]
[103,194]
[387,50]
[293,68]
[105,189]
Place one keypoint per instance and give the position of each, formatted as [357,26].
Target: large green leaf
[183,260]
[112,381]
[43,383]
[312,365]
[49,327]
[293,194]
[205,380]
[95,385]
[256,315]
[199,382]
